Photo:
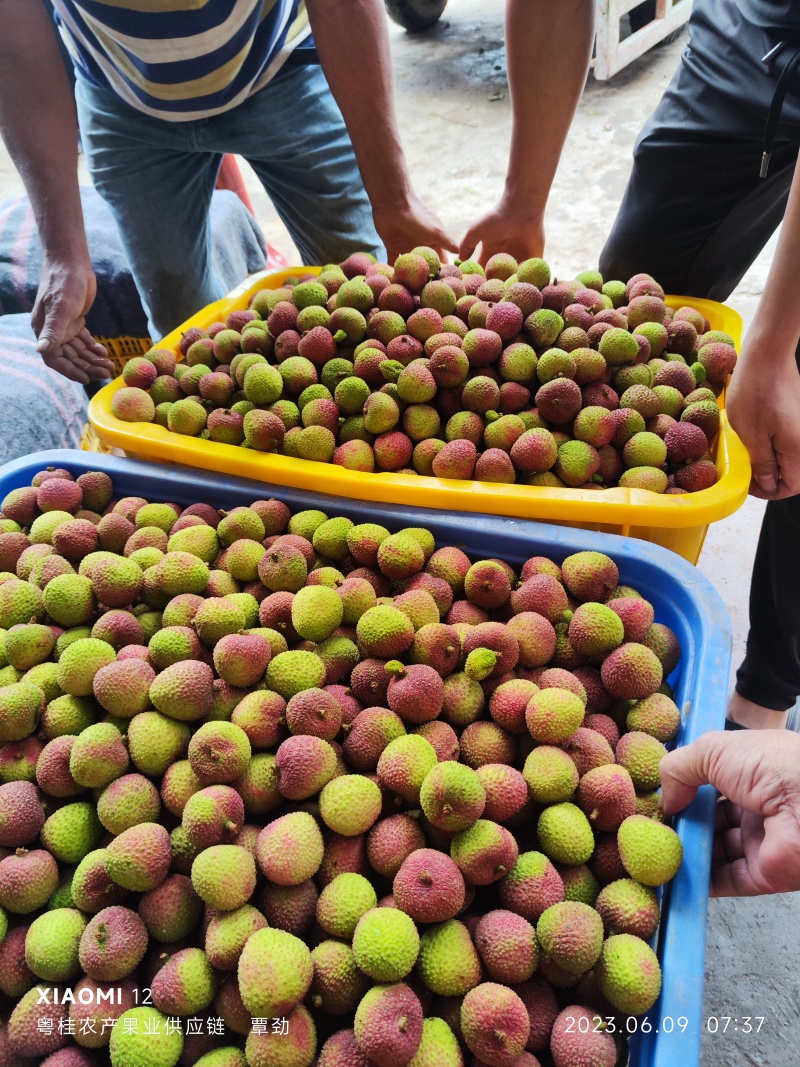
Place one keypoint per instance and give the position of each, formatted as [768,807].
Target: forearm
[39,127]
[548,48]
[353,46]
[776,326]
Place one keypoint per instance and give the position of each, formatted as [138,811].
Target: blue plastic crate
[682,598]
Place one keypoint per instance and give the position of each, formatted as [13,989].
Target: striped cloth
[182,59]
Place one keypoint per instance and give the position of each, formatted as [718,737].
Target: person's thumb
[469,244]
[765,469]
[53,331]
[685,769]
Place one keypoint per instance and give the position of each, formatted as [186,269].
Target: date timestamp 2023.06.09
[713,1024]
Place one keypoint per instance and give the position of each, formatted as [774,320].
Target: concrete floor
[455,118]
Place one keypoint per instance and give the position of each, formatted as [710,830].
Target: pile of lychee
[451,371]
[283,786]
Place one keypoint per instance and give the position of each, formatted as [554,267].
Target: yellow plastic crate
[676,522]
[121,349]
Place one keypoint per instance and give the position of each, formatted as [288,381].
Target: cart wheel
[415,15]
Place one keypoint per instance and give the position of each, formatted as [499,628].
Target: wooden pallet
[611,54]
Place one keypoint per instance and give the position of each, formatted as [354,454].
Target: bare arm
[763,400]
[353,46]
[38,125]
[548,48]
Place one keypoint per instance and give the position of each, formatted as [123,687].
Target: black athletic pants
[695,215]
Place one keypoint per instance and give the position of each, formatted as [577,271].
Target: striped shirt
[182,59]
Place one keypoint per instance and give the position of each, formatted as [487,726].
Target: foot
[754,716]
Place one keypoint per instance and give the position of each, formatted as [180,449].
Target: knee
[622,254]
[170,297]
[611,264]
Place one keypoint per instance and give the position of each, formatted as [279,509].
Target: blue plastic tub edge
[683,599]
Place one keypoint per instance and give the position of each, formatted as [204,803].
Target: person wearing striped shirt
[302,90]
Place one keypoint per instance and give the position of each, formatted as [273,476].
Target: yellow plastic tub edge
[676,522]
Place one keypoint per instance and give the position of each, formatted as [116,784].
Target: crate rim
[617,506]
[626,547]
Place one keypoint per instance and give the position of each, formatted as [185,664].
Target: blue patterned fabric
[38,407]
[238,249]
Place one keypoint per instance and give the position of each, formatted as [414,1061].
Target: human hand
[504,229]
[762,402]
[406,225]
[66,292]
[757,838]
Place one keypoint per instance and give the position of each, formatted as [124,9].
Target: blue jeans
[157,177]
